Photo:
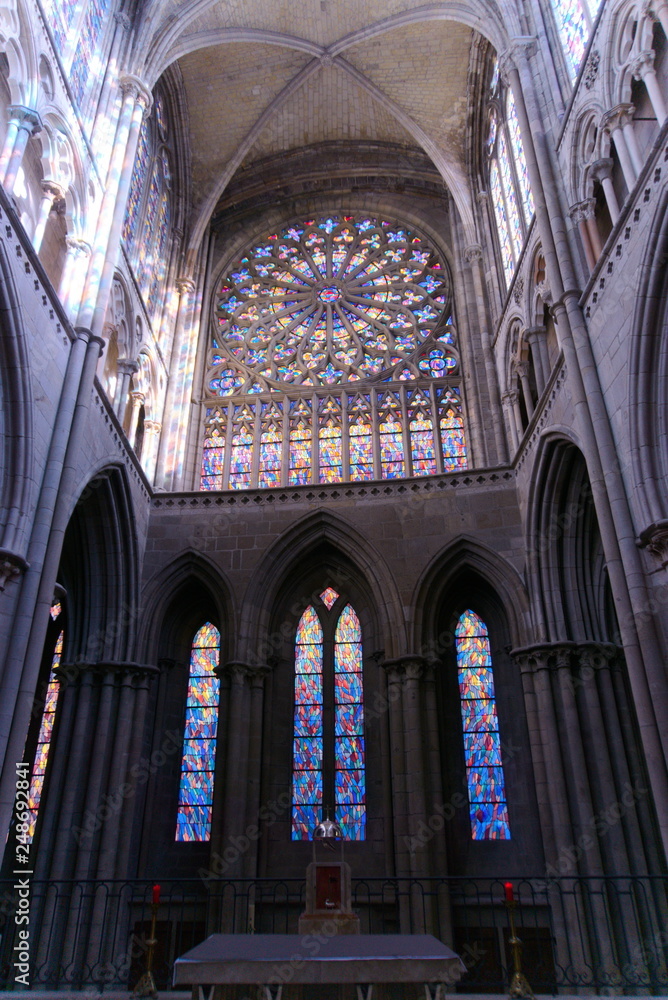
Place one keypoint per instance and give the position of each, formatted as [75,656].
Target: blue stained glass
[87,55]
[308,724]
[305,818]
[501,223]
[348,686]
[482,745]
[352,820]
[193,821]
[573,31]
[306,786]
[349,786]
[350,751]
[526,199]
[349,720]
[306,752]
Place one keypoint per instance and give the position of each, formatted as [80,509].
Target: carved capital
[591,70]
[642,64]
[12,566]
[583,210]
[473,252]
[410,667]
[77,247]
[617,117]
[125,366]
[53,190]
[509,398]
[601,169]
[26,118]
[185,286]
[132,85]
[597,655]
[242,673]
[534,334]
[123,21]
[655,539]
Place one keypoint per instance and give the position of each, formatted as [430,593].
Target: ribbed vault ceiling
[266,78]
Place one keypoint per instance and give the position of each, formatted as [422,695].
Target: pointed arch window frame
[328,757]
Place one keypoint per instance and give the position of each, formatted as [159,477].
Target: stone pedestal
[328,900]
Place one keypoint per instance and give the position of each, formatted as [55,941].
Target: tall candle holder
[146,986]
[519,984]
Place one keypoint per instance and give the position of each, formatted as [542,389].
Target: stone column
[138,400]
[615,122]
[237,736]
[71,284]
[580,214]
[509,399]
[50,193]
[522,369]
[136,103]
[125,368]
[149,451]
[473,257]
[535,337]
[100,142]
[642,68]
[601,170]
[394,673]
[23,122]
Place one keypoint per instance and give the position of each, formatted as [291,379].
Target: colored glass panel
[88,58]
[482,745]
[349,761]
[512,211]
[501,222]
[44,735]
[308,721]
[212,461]
[137,183]
[391,447]
[193,821]
[241,460]
[451,425]
[361,450]
[526,198]
[573,31]
[330,452]
[329,597]
[423,452]
[271,454]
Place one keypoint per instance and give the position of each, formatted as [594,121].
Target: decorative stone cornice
[566,655]
[655,539]
[78,670]
[410,667]
[12,565]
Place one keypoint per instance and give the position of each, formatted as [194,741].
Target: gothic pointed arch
[317,537]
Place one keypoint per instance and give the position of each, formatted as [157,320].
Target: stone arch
[99,570]
[174,583]
[572,599]
[467,555]
[333,538]
[648,376]
[16,417]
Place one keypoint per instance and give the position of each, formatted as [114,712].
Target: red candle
[156,894]
[510,896]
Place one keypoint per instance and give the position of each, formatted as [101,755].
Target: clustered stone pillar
[593,806]
[618,122]
[584,215]
[416,790]
[167,471]
[601,170]
[642,68]
[51,193]
[23,122]
[536,338]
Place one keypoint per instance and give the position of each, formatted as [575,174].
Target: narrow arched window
[45,730]
[328,749]
[193,822]
[509,187]
[574,20]
[485,780]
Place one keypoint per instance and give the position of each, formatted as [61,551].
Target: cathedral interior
[334,479]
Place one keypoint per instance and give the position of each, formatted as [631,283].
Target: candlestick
[519,984]
[146,986]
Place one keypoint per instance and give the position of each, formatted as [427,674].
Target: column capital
[410,667]
[24,117]
[522,368]
[534,333]
[123,21]
[12,565]
[472,252]
[152,426]
[126,366]
[655,539]
[521,46]
[544,656]
[510,397]
[185,285]
[240,672]
[642,64]
[601,169]
[617,117]
[596,655]
[132,85]
[77,247]
[583,210]
[53,189]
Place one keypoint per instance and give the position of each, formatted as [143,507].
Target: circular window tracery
[329,301]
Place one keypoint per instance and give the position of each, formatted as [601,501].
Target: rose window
[329,301]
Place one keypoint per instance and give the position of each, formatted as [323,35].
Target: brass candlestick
[519,984]
[146,986]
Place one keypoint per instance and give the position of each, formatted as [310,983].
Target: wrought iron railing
[601,934]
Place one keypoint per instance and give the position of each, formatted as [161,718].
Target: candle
[156,894]
[508,887]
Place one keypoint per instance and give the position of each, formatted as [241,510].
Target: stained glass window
[87,61]
[193,820]
[526,197]
[573,24]
[307,742]
[349,779]
[488,807]
[139,173]
[45,731]
[335,314]
[321,685]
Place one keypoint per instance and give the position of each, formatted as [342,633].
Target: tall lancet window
[193,821]
[488,807]
[509,188]
[574,19]
[45,729]
[328,762]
